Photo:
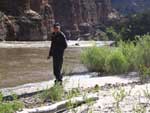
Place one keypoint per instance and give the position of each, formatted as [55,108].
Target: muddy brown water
[25,65]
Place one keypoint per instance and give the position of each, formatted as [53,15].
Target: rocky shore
[123,93]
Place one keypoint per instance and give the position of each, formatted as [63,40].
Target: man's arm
[64,41]
[51,49]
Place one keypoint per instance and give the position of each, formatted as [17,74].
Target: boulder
[30,27]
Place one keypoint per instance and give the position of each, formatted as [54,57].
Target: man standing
[58,45]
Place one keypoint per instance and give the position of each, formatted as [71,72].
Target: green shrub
[129,56]
[138,54]
[116,62]
[144,73]
[130,51]
[55,93]
[94,58]
[1,97]
[10,107]
[139,108]
[72,93]
[112,34]
[6,108]
[144,50]
[104,60]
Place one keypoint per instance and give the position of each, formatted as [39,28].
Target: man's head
[44,2]
[56,27]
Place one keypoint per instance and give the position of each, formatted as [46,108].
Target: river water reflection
[25,65]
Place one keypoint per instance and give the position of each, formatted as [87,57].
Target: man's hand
[48,57]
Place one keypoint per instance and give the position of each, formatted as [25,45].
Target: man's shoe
[57,82]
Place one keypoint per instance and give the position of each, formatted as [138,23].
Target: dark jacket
[58,44]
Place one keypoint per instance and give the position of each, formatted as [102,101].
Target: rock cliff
[131,6]
[81,15]
[77,17]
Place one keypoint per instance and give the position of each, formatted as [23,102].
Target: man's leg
[57,66]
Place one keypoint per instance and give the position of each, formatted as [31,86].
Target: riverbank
[134,94]
[45,44]
[74,81]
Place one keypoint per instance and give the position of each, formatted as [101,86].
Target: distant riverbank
[38,44]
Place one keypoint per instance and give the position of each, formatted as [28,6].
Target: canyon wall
[77,17]
[131,6]
[73,13]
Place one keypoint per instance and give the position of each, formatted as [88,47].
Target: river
[25,62]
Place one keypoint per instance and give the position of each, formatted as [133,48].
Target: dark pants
[57,65]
